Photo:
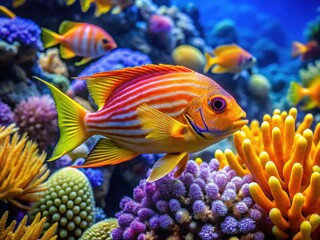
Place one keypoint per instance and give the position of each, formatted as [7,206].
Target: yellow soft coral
[285,163]
[22,171]
[23,232]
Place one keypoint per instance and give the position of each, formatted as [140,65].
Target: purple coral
[37,117]
[23,31]
[6,115]
[203,203]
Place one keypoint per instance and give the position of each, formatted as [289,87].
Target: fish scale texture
[69,201]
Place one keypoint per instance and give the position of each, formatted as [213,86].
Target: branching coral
[22,169]
[23,232]
[203,203]
[68,201]
[285,163]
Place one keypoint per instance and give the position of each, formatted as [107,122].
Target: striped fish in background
[148,109]
[79,39]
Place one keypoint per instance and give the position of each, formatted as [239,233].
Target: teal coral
[101,230]
[68,201]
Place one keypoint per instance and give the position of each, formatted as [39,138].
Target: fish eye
[250,59]
[218,104]
[104,41]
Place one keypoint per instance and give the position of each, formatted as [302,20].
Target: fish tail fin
[85,5]
[294,95]
[210,61]
[298,49]
[50,38]
[70,2]
[101,9]
[6,12]
[71,121]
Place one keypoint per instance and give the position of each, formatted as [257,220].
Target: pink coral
[37,116]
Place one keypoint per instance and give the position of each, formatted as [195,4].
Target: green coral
[101,230]
[312,31]
[69,201]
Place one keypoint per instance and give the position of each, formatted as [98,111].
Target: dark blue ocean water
[291,15]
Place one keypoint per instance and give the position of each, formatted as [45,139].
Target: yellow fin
[5,11]
[18,3]
[106,152]
[220,49]
[71,121]
[181,166]
[67,25]
[66,53]
[165,165]
[309,104]
[83,61]
[50,38]
[101,9]
[70,2]
[85,5]
[159,125]
[294,95]
[101,85]
[298,48]
[219,69]
[210,61]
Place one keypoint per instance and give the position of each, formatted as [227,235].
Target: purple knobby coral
[203,203]
[23,31]
[6,115]
[37,117]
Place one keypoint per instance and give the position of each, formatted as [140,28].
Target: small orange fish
[229,58]
[296,92]
[148,109]
[308,51]
[79,39]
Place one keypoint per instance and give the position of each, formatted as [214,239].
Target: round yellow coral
[68,201]
[101,230]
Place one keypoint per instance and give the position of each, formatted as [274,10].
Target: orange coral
[22,169]
[285,163]
[24,232]
[51,62]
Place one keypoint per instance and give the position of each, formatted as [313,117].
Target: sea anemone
[6,115]
[284,162]
[101,230]
[68,201]
[22,169]
[37,117]
[31,232]
[203,203]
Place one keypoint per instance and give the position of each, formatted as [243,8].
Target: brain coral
[203,203]
[68,201]
[284,161]
[101,230]
[23,232]
[37,117]
[22,169]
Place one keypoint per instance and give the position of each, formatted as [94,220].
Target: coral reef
[37,117]
[51,62]
[308,73]
[203,203]
[189,56]
[68,201]
[284,162]
[101,230]
[22,169]
[259,87]
[23,232]
[312,31]
[6,115]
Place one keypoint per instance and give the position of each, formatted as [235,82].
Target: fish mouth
[240,122]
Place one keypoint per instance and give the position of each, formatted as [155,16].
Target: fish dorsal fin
[101,85]
[67,25]
[218,50]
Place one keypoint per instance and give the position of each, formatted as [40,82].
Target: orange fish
[296,92]
[148,109]
[79,39]
[308,51]
[229,58]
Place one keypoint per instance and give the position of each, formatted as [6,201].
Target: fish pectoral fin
[106,152]
[181,166]
[83,61]
[219,69]
[165,165]
[159,125]
[66,53]
[309,104]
